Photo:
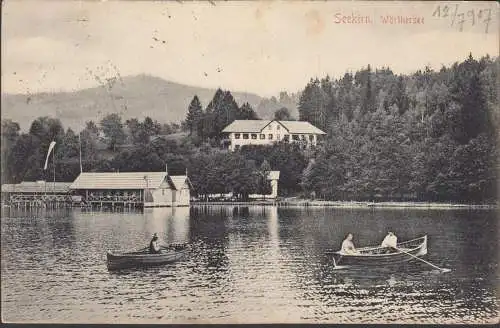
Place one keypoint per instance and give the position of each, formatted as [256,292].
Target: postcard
[177,162]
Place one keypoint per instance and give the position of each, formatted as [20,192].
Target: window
[254,135]
[270,136]
[270,127]
[286,137]
[263,136]
[278,137]
[236,136]
[311,137]
[163,192]
[295,137]
[302,137]
[245,135]
[277,127]
[236,147]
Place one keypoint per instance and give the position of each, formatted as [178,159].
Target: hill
[133,96]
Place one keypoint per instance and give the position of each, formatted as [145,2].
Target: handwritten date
[459,17]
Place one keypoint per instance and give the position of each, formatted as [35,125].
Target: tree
[467,90]
[10,130]
[313,103]
[10,135]
[194,116]
[242,176]
[283,114]
[264,184]
[221,111]
[46,129]
[246,112]
[134,130]
[111,126]
[91,127]
[151,127]
[364,80]
[211,112]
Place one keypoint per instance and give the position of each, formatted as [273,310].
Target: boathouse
[132,189]
[37,194]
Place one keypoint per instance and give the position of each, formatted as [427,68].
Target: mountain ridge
[132,96]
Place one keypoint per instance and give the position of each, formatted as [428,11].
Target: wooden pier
[39,201]
[39,194]
[114,201]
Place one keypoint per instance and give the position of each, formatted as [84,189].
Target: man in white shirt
[390,240]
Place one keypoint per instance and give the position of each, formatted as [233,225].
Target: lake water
[246,265]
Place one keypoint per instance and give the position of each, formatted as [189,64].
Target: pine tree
[221,111]
[246,112]
[194,115]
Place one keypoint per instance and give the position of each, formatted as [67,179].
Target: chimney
[166,169]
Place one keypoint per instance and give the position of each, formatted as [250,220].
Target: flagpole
[54,163]
[80,142]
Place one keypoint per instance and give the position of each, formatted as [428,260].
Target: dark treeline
[429,136]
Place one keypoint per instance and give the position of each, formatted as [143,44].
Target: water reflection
[171,223]
[247,264]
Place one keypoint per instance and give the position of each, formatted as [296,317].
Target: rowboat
[381,256]
[142,258]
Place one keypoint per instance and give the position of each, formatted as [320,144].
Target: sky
[262,47]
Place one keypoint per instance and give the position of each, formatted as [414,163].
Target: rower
[390,240]
[154,247]
[348,245]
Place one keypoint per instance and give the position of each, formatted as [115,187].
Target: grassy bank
[351,204]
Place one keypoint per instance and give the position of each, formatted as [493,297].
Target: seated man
[348,245]
[390,241]
[154,247]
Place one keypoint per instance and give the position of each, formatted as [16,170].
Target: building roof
[273,175]
[173,136]
[37,187]
[256,126]
[246,126]
[118,180]
[179,180]
[301,127]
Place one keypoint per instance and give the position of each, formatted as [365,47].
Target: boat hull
[378,256]
[142,259]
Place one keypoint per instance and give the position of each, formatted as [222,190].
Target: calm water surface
[247,264]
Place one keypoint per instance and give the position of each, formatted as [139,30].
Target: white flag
[52,145]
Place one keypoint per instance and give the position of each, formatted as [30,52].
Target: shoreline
[348,204]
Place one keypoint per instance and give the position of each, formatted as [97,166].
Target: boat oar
[338,267]
[422,260]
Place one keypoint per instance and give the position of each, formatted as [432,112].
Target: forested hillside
[428,136]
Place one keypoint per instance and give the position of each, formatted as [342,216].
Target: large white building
[267,132]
